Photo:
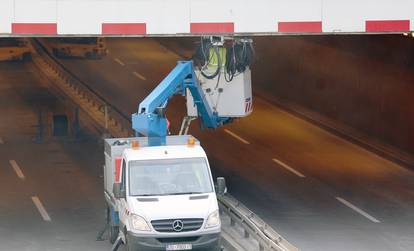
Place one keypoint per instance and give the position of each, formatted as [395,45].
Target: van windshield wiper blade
[183,193]
[166,194]
[146,195]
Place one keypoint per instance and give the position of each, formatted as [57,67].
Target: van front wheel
[128,246]
[113,230]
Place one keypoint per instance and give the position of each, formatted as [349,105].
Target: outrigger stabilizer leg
[99,236]
[117,243]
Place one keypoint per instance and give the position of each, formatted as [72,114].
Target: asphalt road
[51,193]
[318,190]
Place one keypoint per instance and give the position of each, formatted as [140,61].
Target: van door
[123,206]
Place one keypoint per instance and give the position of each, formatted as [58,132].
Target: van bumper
[208,242]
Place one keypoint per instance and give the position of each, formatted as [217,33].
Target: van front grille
[187,225]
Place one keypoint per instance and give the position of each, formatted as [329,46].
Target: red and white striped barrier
[186,17]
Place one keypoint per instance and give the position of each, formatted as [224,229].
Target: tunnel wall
[366,82]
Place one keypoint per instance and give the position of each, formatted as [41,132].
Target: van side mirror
[118,192]
[221,185]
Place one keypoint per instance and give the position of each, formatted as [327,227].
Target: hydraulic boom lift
[150,119]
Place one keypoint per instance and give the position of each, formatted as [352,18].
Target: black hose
[203,58]
[239,56]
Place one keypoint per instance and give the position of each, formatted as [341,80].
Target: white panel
[386,9]
[252,17]
[174,16]
[350,16]
[168,17]
[296,10]
[80,16]
[339,16]
[161,16]
[213,10]
[6,15]
[35,11]
[127,11]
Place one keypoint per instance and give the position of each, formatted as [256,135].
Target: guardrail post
[232,222]
[246,234]
[261,248]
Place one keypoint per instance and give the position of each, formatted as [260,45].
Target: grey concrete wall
[366,82]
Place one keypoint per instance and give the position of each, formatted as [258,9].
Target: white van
[161,197]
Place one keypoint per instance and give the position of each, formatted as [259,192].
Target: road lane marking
[237,137]
[41,208]
[139,75]
[289,168]
[17,169]
[1,141]
[119,61]
[358,210]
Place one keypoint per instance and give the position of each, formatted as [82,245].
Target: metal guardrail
[267,238]
[119,125]
[103,112]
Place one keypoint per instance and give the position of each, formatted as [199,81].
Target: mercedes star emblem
[178,225]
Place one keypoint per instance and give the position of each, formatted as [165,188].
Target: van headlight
[213,219]
[139,223]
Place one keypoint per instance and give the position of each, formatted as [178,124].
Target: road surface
[51,195]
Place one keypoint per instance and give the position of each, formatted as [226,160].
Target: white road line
[17,169]
[119,61]
[237,137]
[289,168]
[41,208]
[139,75]
[355,208]
[1,141]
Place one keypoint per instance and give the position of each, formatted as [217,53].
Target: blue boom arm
[150,121]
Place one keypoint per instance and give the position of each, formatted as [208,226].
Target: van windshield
[169,177]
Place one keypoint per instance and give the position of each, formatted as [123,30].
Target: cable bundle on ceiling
[231,57]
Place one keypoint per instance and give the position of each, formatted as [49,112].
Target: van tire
[113,230]
[113,234]
[127,248]
[126,244]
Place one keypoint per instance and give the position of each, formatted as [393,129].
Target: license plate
[179,247]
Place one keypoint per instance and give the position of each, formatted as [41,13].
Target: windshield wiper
[184,193]
[146,195]
[166,194]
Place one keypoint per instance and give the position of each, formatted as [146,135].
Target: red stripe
[118,169]
[34,28]
[124,28]
[212,27]
[300,26]
[387,25]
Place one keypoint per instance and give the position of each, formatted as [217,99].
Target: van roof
[164,152]
[176,147]
[143,141]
